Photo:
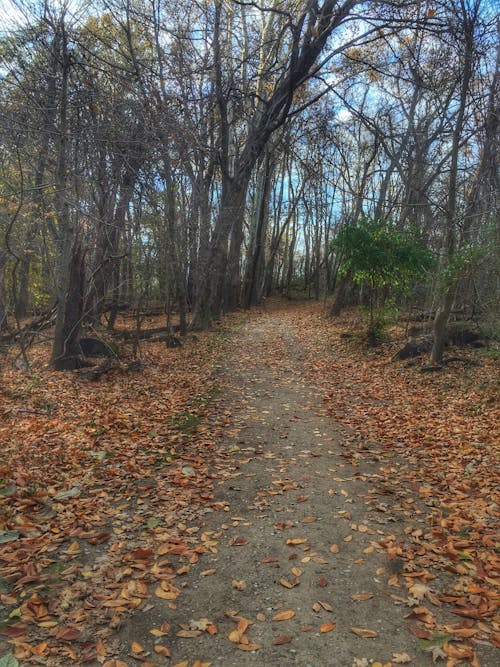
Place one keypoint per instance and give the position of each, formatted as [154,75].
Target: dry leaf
[249,647]
[137,648]
[364,632]
[327,627]
[283,615]
[282,639]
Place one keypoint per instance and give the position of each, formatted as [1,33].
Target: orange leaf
[162,650]
[328,626]
[283,615]
[249,647]
[68,634]
[136,647]
[187,634]
[361,596]
[364,632]
[334,549]
[243,624]
[282,639]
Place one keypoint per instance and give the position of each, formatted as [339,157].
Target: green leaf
[9,661]
[438,640]
[153,523]
[100,455]
[71,493]
[8,536]
[15,613]
[187,470]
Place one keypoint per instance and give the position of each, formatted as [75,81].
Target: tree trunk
[212,277]
[66,350]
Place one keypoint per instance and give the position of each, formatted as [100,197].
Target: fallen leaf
[282,639]
[188,634]
[364,632]
[137,648]
[249,647]
[327,627]
[283,615]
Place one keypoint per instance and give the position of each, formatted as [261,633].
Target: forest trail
[299,537]
[269,494]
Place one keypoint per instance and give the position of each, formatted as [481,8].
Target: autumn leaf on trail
[68,634]
[162,650]
[328,626]
[249,647]
[137,648]
[401,658]
[361,596]
[295,542]
[283,615]
[239,584]
[186,634]
[282,639]
[334,549]
[364,632]
[238,541]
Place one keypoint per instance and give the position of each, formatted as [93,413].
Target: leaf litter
[102,500]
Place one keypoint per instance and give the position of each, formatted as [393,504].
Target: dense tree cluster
[200,155]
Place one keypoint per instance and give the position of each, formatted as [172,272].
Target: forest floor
[270,494]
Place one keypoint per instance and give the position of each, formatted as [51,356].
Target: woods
[200,157]
[264,238]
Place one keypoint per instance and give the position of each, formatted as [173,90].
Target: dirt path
[300,534]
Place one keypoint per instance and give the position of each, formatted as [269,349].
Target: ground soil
[270,494]
[299,530]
